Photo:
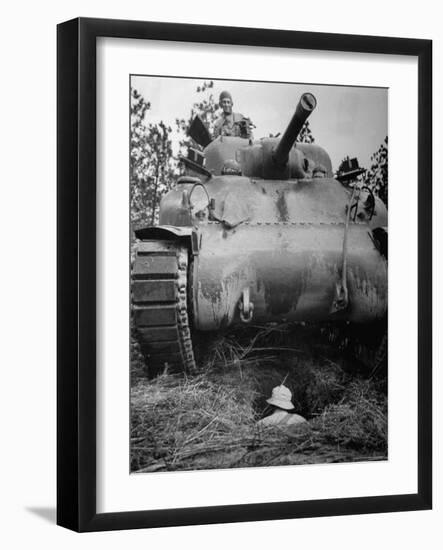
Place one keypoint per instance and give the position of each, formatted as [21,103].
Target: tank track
[159,283]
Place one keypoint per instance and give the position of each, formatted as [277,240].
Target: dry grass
[358,420]
[209,420]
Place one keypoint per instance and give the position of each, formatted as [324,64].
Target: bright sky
[347,121]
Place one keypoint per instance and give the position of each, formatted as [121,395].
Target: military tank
[257,230]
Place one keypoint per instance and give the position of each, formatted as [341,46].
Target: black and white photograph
[221,353]
[259,274]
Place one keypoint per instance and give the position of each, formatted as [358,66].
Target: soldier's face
[226,105]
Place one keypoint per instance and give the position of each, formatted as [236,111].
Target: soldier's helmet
[225,95]
[281,397]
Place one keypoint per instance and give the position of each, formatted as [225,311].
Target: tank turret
[272,157]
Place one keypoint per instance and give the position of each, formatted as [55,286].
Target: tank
[257,231]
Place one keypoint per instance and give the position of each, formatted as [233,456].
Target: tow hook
[341,298]
[246,307]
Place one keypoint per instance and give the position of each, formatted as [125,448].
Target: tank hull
[290,272]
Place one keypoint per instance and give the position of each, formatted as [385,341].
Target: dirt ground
[208,419]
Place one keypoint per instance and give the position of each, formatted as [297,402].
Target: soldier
[282,404]
[230,123]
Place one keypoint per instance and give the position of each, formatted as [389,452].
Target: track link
[160,305]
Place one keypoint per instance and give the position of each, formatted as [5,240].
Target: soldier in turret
[230,123]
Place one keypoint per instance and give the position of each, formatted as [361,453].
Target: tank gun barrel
[304,108]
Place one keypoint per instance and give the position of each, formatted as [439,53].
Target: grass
[209,420]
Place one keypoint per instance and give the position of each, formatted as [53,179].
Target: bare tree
[152,165]
[377,176]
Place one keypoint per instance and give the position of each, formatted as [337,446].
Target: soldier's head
[281,398]
[225,102]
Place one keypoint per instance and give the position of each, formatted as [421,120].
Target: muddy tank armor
[257,230]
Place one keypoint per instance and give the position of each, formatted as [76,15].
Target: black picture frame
[76,265]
